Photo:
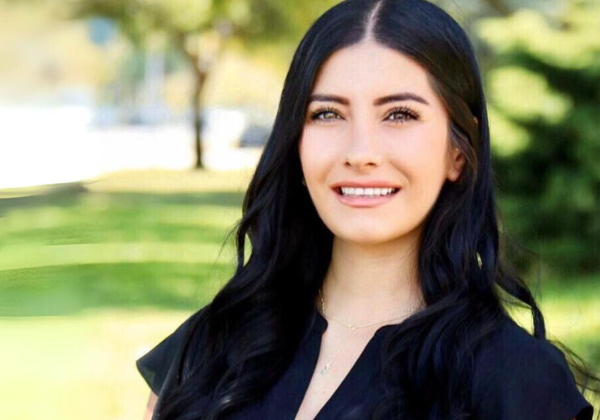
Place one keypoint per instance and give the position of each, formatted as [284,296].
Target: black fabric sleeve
[531,382]
[155,365]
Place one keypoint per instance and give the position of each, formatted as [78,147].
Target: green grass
[92,276]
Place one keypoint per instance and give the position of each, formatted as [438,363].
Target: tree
[544,107]
[201,29]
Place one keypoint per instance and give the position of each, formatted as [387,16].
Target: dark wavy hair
[255,323]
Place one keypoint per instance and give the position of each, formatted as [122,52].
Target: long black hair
[255,323]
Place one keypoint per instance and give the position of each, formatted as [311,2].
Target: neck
[367,283]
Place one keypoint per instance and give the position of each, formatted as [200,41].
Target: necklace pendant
[352,327]
[325,369]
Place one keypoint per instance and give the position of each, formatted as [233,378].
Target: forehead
[369,69]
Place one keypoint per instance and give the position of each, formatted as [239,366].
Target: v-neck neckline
[358,377]
[287,396]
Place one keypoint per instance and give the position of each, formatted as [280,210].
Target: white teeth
[366,192]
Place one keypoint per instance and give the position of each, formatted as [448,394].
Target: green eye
[403,114]
[324,114]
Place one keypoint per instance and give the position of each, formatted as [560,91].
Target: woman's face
[373,124]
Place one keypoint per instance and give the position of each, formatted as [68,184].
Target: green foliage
[544,116]
[251,21]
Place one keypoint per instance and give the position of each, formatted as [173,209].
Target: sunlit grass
[76,367]
[92,276]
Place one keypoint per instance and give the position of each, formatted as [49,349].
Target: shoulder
[156,364]
[518,376]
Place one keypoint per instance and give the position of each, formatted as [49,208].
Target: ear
[455,164]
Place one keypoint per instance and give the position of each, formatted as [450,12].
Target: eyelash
[405,111]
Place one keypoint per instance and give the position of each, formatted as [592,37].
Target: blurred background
[129,130]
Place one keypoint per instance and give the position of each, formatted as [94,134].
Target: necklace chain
[351,328]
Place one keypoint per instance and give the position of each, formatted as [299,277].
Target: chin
[367,241]
[372,233]
[366,237]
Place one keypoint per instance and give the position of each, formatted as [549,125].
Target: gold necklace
[351,328]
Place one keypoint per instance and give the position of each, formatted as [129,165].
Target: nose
[363,146]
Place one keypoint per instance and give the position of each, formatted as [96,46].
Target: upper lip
[364,184]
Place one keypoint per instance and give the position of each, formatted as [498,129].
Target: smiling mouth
[366,192]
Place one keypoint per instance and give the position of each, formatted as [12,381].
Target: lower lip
[365,201]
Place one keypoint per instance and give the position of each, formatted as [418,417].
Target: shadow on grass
[116,230]
[71,195]
[68,290]
[74,216]
[71,214]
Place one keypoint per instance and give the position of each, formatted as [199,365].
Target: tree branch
[500,7]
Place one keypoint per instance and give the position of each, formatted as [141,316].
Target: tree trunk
[200,70]
[199,79]
[196,102]
[197,108]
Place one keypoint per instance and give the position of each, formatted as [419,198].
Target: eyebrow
[403,96]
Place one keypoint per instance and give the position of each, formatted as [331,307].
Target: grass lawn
[92,276]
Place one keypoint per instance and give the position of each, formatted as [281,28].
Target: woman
[373,287]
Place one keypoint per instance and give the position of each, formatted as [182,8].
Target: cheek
[317,154]
[422,151]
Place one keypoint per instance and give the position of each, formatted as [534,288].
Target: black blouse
[516,377]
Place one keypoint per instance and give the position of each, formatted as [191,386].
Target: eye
[399,114]
[324,114]
[403,114]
